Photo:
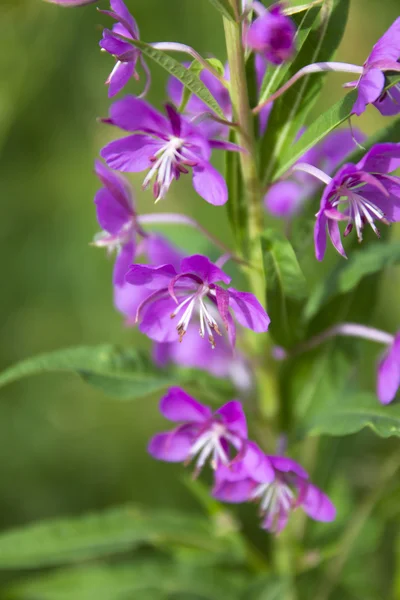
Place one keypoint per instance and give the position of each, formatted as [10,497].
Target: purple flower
[286,198]
[117,217]
[272,35]
[220,436]
[360,194]
[278,496]
[192,291]
[384,57]
[166,147]
[196,107]
[388,380]
[115,42]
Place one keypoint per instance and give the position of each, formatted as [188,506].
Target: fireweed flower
[287,197]
[175,297]
[271,34]
[277,497]
[359,194]
[219,437]
[166,147]
[384,57]
[115,42]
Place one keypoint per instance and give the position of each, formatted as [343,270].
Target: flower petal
[210,184]
[234,418]
[288,465]
[122,262]
[160,250]
[334,234]
[382,158]
[127,299]
[233,491]
[204,268]
[120,9]
[153,278]
[110,214]
[388,46]
[248,311]
[388,378]
[130,154]
[156,320]
[134,114]
[320,235]
[178,406]
[369,89]
[116,184]
[172,446]
[284,199]
[316,504]
[119,77]
[389,103]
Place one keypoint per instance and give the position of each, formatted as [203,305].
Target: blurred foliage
[66,448]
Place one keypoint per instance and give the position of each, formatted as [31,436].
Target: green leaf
[322,126]
[196,68]
[286,286]
[290,110]
[122,372]
[351,413]
[348,273]
[274,76]
[237,207]
[225,8]
[190,80]
[69,540]
[268,588]
[163,579]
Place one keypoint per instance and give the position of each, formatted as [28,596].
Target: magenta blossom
[288,490]
[359,194]
[287,197]
[272,34]
[192,291]
[115,42]
[384,57]
[220,436]
[166,147]
[117,217]
[388,381]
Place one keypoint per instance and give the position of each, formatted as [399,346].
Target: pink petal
[130,154]
[210,184]
[178,406]
[248,311]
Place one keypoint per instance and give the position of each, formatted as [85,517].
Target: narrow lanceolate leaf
[69,540]
[348,274]
[351,413]
[196,68]
[275,76]
[324,124]
[225,8]
[189,79]
[124,373]
[290,110]
[153,579]
[286,287]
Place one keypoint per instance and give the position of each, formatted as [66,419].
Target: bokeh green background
[65,448]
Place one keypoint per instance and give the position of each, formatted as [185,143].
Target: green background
[65,448]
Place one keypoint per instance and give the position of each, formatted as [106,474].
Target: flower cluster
[184,303]
[243,473]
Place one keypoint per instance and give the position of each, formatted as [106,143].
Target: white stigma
[164,168]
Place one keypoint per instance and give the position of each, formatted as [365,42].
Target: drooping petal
[172,446]
[114,45]
[153,278]
[122,262]
[210,184]
[315,503]
[234,492]
[117,185]
[233,417]
[382,158]
[120,9]
[369,88]
[134,114]
[110,214]
[248,311]
[334,234]
[388,46]
[178,406]
[120,76]
[389,103]
[131,154]
[204,268]
[320,235]
[388,376]
[288,465]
